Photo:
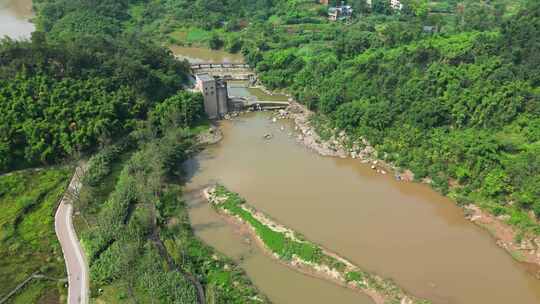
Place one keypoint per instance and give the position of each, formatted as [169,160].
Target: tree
[418,8]
[215,42]
[381,7]
[178,111]
[360,6]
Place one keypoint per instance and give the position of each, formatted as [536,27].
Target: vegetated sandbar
[292,249]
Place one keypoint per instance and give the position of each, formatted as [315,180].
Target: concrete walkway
[77,268]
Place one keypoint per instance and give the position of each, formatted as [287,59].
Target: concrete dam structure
[211,80]
[226,71]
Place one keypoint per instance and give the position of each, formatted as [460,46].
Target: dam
[211,79]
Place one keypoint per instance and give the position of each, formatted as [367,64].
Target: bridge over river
[224,70]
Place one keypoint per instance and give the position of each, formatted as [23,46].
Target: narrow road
[77,268]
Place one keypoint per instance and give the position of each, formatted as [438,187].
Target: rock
[504,217]
[274,119]
[526,245]
[373,167]
[474,218]
[268,136]
[282,128]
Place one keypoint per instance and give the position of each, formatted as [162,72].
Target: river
[14,18]
[403,231]
[201,55]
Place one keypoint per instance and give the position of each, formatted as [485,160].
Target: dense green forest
[59,99]
[448,89]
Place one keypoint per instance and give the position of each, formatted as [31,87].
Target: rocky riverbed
[211,136]
[339,144]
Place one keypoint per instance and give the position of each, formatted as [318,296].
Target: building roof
[342,10]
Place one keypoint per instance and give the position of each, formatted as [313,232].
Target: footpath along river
[403,231]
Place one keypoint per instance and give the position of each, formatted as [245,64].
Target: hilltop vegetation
[61,99]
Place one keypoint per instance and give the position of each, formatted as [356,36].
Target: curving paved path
[77,268]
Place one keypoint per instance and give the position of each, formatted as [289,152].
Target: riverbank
[210,136]
[338,144]
[293,250]
[523,249]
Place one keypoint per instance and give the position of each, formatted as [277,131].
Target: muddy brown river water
[403,231]
[199,55]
